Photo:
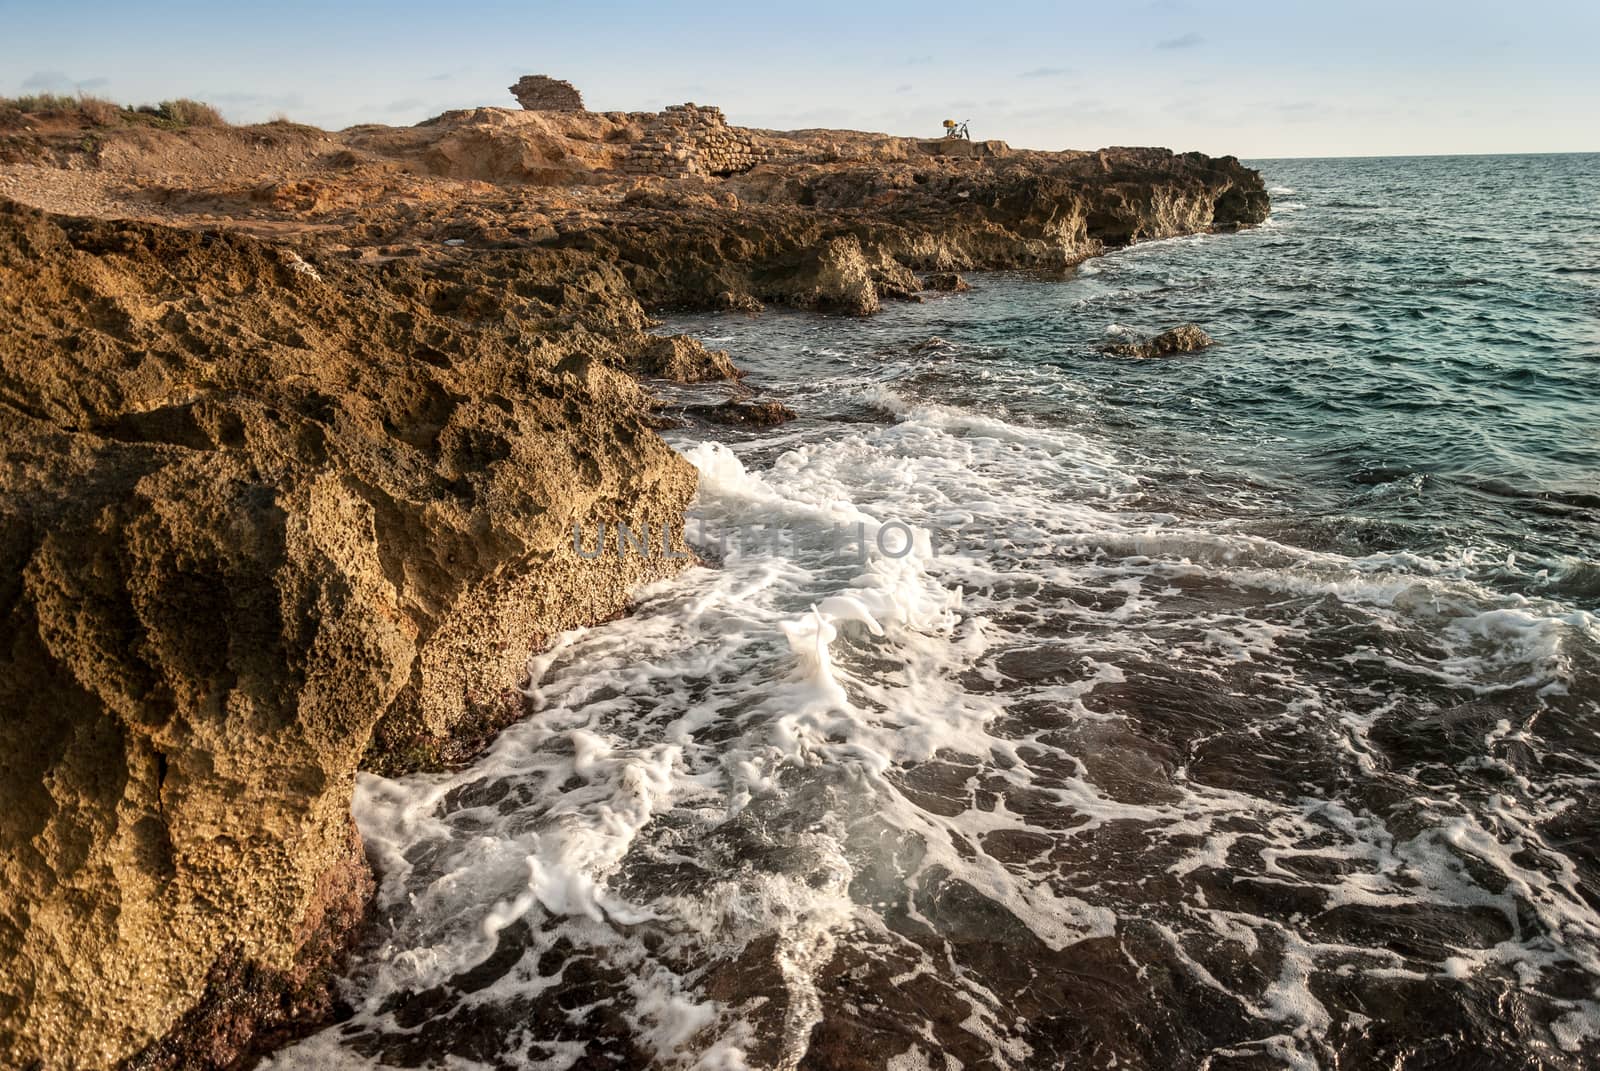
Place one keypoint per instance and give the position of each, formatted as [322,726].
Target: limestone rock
[961,148]
[835,277]
[728,301]
[1185,338]
[683,359]
[269,514]
[250,521]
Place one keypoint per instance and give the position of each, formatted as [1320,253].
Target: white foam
[780,702]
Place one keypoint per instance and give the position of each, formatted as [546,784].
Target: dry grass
[96,111]
[186,112]
[100,112]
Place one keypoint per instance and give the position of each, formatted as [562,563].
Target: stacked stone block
[691,139]
[537,93]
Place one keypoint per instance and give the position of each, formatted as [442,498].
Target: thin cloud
[1047,72]
[258,100]
[1084,109]
[58,82]
[1188,40]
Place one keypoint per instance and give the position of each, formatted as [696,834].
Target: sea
[1037,707]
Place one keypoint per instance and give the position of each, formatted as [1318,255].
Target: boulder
[1185,338]
[947,281]
[682,359]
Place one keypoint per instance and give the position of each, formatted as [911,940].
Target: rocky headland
[295,426]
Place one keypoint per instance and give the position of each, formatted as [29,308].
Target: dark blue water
[1259,727]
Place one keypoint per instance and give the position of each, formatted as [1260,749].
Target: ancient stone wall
[537,93]
[692,139]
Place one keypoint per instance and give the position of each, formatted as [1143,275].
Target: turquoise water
[1257,727]
[1411,356]
[1409,359]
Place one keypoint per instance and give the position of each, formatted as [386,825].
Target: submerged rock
[1185,338]
[743,414]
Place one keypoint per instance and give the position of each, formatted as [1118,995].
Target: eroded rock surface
[947,282]
[256,516]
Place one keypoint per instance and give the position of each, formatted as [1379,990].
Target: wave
[953,701]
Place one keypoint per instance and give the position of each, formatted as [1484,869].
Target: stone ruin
[536,93]
[684,139]
[691,139]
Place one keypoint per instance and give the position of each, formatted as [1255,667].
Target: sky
[1255,80]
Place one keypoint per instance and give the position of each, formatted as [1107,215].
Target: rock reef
[1185,338]
[294,438]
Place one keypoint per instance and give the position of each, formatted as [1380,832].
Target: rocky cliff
[289,460]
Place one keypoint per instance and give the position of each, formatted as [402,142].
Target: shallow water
[1235,710]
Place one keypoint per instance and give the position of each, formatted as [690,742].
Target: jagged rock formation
[538,93]
[258,514]
[273,511]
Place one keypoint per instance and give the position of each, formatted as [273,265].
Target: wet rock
[743,414]
[1186,338]
[945,281]
[728,301]
[683,360]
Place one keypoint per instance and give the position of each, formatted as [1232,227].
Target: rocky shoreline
[296,433]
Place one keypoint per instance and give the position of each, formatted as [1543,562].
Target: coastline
[289,493]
